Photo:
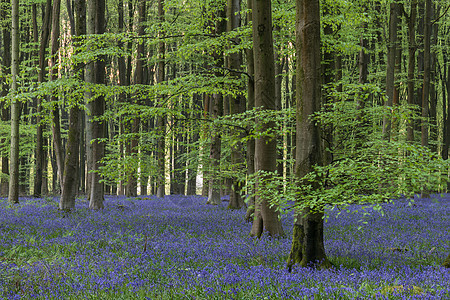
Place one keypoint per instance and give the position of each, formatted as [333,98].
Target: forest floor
[180,248]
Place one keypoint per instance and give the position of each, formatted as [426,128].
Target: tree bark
[250,157]
[71,164]
[411,65]
[216,110]
[266,216]
[307,240]
[13,193]
[237,106]
[6,69]
[426,72]
[39,168]
[56,129]
[390,67]
[160,120]
[95,72]
[447,262]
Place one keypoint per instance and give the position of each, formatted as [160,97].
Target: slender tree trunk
[6,69]
[390,67]
[13,193]
[216,110]
[307,240]
[71,164]
[56,130]
[411,65]
[237,106]
[426,72]
[249,215]
[160,120]
[266,216]
[40,156]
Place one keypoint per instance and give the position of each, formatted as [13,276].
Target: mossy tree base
[307,243]
[447,262]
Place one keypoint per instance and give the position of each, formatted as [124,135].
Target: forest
[224,149]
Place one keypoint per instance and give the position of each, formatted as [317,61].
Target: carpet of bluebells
[180,248]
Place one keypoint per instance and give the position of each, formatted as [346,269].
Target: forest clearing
[181,248]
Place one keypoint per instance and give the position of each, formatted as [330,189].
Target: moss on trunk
[447,262]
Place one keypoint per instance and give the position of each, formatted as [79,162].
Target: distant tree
[43,62]
[13,195]
[56,127]
[160,119]
[4,88]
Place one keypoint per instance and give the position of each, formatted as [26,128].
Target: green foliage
[366,169]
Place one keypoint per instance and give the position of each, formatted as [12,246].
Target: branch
[445,12]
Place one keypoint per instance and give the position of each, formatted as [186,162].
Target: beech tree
[71,164]
[95,74]
[307,241]
[266,216]
[13,193]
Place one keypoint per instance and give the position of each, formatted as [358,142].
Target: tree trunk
[237,106]
[216,107]
[56,130]
[71,164]
[390,67]
[13,193]
[411,65]
[40,155]
[250,157]
[426,72]
[6,69]
[160,120]
[307,240]
[96,70]
[266,216]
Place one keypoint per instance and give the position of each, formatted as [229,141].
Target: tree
[160,120]
[6,69]
[70,177]
[13,195]
[95,74]
[390,67]
[307,238]
[237,104]
[40,157]
[56,127]
[265,216]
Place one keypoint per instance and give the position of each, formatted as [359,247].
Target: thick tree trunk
[13,193]
[307,241]
[266,216]
[71,164]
